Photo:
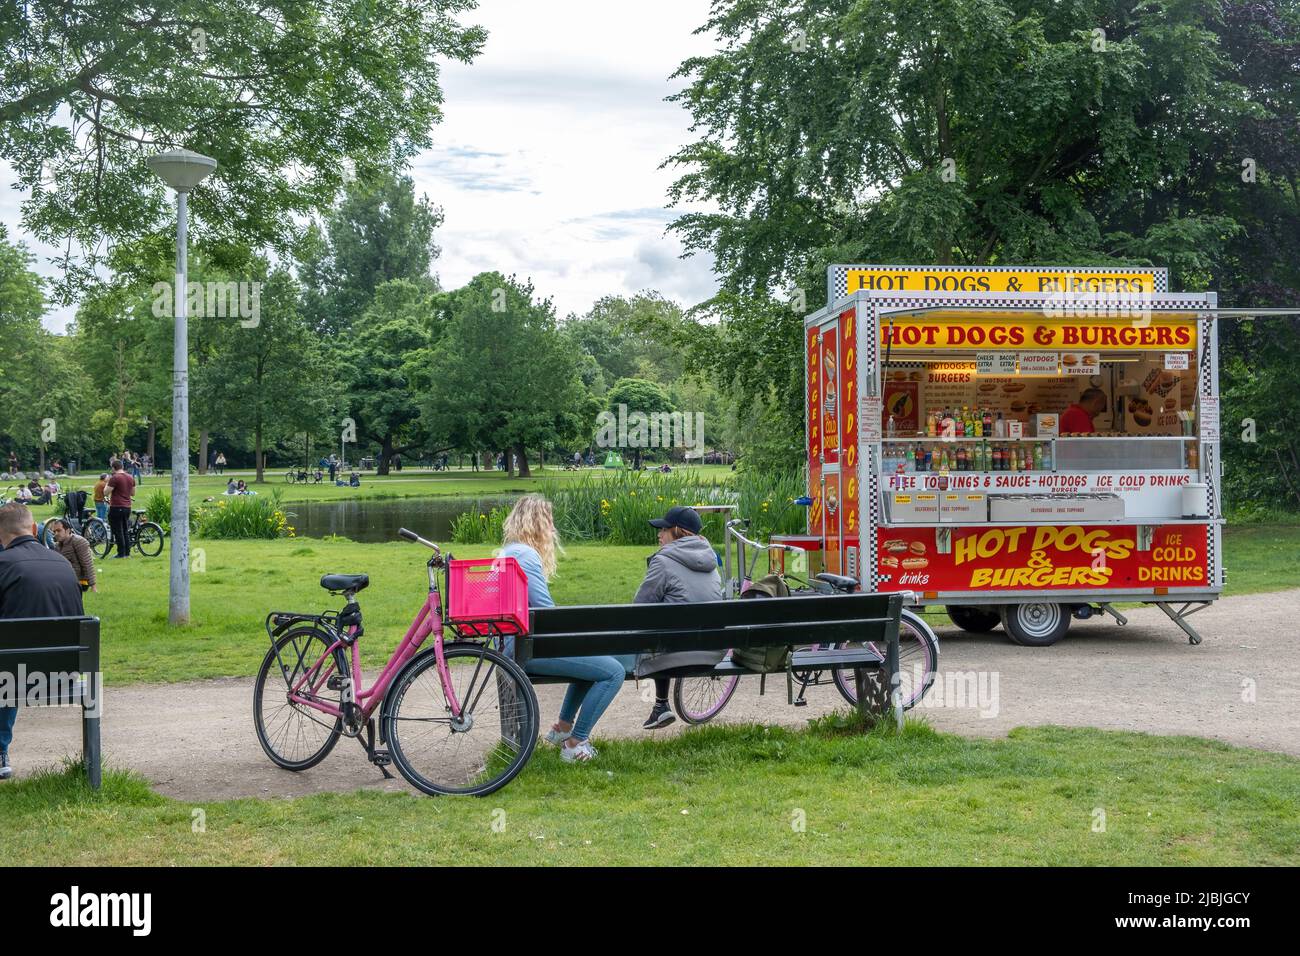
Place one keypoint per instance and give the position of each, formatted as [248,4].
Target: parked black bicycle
[84,522]
[143,536]
[304,476]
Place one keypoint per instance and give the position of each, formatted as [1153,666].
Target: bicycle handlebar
[412,536]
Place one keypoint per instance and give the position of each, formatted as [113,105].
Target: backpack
[764,660]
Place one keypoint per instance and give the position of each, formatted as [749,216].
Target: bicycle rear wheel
[295,736]
[480,751]
[149,539]
[98,536]
[698,700]
[918,660]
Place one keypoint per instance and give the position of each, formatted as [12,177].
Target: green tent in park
[613,460]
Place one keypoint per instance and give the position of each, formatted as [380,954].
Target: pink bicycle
[458,718]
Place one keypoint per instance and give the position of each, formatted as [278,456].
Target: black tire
[290,477]
[917,645]
[1035,624]
[149,539]
[477,669]
[291,656]
[972,618]
[97,535]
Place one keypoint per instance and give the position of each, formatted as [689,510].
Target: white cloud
[547,161]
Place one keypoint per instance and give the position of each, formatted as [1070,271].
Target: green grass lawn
[236,583]
[405,484]
[731,795]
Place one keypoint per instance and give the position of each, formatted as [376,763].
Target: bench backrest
[49,645]
[710,625]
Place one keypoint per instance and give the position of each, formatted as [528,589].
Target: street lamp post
[182,170]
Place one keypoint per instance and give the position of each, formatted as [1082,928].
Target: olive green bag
[764,660]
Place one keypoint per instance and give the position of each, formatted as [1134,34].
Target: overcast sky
[546,162]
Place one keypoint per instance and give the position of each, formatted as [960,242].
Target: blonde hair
[532,522]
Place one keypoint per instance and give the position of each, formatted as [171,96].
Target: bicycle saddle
[838,581]
[345,582]
[139,511]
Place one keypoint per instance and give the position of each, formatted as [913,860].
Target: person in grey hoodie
[682,571]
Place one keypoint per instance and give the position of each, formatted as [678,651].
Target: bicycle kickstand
[380,758]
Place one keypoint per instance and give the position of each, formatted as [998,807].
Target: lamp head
[182,169]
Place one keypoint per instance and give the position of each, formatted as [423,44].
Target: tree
[372,356]
[378,233]
[270,378]
[501,376]
[635,397]
[287,96]
[971,131]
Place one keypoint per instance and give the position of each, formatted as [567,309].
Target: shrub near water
[244,516]
[479,525]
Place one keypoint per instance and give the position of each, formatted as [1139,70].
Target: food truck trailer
[1020,445]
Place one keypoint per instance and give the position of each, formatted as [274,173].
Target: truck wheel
[977,620]
[1035,625]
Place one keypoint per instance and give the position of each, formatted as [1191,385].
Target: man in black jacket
[34,582]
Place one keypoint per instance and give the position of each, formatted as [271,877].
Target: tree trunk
[523,461]
[203,451]
[485,460]
[149,447]
[507,455]
[40,458]
[385,455]
[257,453]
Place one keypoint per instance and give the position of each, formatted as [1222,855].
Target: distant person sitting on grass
[530,538]
[34,582]
[231,487]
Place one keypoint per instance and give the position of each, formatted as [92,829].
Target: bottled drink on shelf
[1038,457]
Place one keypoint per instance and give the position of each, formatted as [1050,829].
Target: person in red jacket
[1078,418]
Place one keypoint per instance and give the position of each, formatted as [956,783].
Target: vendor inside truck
[1078,418]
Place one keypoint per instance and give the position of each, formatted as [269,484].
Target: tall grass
[244,516]
[616,506]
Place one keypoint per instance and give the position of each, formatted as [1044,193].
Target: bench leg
[872,688]
[90,752]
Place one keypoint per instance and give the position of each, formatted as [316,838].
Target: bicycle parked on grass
[303,476]
[458,718]
[84,522]
[698,700]
[143,536]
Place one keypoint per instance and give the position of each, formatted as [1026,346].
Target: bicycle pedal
[381,758]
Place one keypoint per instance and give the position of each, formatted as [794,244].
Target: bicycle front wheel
[918,661]
[149,539]
[478,752]
[698,700]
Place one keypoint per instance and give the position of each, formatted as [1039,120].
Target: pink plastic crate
[488,589]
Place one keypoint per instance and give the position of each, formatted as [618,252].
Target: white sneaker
[556,737]
[583,751]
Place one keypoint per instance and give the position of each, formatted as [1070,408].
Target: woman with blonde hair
[530,538]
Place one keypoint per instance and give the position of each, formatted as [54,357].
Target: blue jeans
[101,509]
[7,717]
[595,682]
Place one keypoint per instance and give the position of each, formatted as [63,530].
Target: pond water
[371,521]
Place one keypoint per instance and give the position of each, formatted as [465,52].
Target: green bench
[618,629]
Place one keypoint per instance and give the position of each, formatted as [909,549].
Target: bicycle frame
[428,620]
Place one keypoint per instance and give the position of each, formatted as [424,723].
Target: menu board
[1153,397]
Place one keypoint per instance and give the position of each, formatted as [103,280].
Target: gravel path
[195,741]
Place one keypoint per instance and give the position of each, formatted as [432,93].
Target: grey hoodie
[681,572]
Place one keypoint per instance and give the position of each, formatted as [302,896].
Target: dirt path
[195,741]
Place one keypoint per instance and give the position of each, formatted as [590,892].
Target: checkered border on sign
[837,276]
[1210,464]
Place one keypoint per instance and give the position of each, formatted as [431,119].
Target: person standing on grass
[34,582]
[684,570]
[77,550]
[121,489]
[101,498]
[530,538]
